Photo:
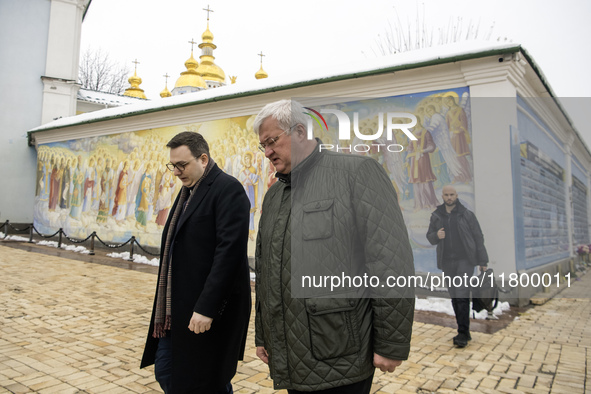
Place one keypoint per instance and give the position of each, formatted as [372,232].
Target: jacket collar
[460,208]
[201,192]
[304,166]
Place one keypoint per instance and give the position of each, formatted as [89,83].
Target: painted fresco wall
[442,155]
[118,185]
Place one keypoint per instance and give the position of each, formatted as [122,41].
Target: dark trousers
[163,367]
[460,295]
[362,387]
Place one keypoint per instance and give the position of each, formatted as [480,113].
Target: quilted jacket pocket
[333,329]
[317,220]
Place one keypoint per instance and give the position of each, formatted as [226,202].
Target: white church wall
[23,50]
[63,52]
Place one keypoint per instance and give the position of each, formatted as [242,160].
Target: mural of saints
[105,184]
[249,178]
[164,199]
[143,198]
[120,206]
[76,201]
[457,123]
[420,174]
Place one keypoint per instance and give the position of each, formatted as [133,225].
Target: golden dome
[207,35]
[211,72]
[261,73]
[165,92]
[134,90]
[190,77]
[208,69]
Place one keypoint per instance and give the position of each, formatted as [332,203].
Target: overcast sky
[304,34]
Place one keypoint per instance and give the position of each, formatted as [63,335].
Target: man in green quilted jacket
[332,217]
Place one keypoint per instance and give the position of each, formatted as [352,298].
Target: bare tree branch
[98,72]
[401,38]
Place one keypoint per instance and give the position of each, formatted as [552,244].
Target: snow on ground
[137,258]
[443,305]
[14,238]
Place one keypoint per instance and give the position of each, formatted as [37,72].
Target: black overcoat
[210,276]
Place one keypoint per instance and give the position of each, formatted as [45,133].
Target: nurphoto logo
[345,130]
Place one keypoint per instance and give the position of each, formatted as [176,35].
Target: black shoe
[461,340]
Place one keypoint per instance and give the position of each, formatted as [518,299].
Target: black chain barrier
[145,251]
[111,245]
[92,237]
[47,236]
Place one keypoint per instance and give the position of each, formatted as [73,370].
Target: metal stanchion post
[131,253]
[6,229]
[31,233]
[92,243]
[59,242]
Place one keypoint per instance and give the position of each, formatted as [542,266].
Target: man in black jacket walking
[460,247]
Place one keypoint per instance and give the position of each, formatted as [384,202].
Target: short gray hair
[287,113]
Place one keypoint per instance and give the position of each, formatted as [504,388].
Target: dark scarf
[162,319]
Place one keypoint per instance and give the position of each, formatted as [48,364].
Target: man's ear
[300,132]
[204,159]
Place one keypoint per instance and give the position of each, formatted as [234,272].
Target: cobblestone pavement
[70,326]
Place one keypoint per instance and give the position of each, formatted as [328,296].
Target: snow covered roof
[401,61]
[110,99]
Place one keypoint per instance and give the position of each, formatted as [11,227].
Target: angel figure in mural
[143,199]
[89,182]
[97,191]
[56,184]
[39,183]
[260,164]
[76,200]
[437,126]
[105,185]
[47,168]
[134,179]
[161,170]
[151,203]
[164,199]
[250,179]
[457,123]
[120,205]
[420,174]
[114,181]
[66,180]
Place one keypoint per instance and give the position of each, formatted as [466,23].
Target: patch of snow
[443,305]
[73,248]
[137,258]
[14,238]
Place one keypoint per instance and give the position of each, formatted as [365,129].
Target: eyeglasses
[269,142]
[179,166]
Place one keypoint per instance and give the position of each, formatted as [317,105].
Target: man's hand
[262,354]
[441,233]
[383,363]
[199,323]
[483,268]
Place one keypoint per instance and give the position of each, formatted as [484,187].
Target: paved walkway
[70,326]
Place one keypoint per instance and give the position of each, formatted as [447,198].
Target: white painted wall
[37,38]
[23,50]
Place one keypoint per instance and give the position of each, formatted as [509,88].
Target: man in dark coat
[203,300]
[460,248]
